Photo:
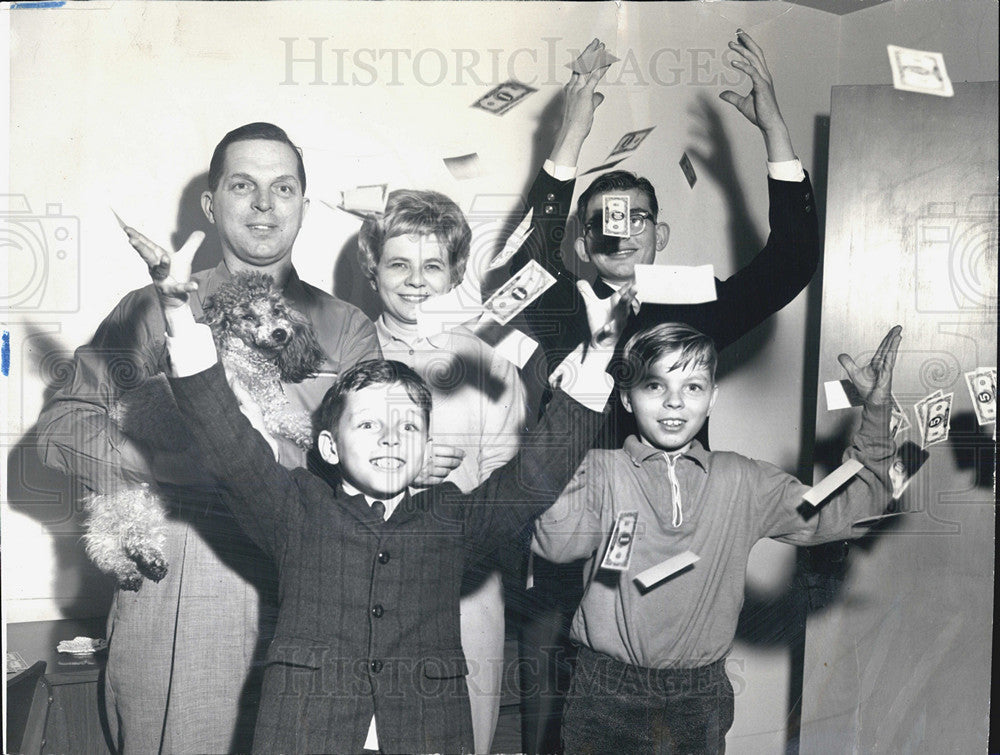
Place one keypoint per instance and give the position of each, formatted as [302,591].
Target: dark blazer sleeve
[530,482]
[556,319]
[780,270]
[262,495]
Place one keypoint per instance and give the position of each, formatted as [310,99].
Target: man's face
[615,258]
[258,205]
[670,405]
[380,440]
[411,269]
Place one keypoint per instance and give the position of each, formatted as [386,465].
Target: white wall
[120,106]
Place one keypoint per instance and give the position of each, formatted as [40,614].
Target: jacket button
[377,611]
[383,557]
[376,666]
[550,197]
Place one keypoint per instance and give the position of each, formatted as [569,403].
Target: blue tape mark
[5,354]
[49,4]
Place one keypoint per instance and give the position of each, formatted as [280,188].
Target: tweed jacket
[368,620]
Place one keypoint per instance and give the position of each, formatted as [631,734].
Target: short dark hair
[424,213]
[259,130]
[368,373]
[649,345]
[616,180]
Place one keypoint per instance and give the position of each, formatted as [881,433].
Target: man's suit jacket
[369,611]
[785,265]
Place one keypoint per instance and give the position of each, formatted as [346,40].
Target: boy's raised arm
[868,492]
[259,492]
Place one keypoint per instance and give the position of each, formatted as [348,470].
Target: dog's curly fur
[261,341]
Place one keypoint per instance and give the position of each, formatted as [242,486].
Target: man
[181,649]
[558,319]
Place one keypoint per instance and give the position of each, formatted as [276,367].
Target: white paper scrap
[675,284]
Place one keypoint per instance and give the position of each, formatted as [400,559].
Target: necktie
[379,508]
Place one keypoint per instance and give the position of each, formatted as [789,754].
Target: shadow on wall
[191,218]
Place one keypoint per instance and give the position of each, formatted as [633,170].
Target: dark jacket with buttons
[369,611]
[786,264]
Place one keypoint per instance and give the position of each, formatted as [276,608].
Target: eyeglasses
[637,220]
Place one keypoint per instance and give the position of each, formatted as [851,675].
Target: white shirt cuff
[191,349]
[559,172]
[587,383]
[786,170]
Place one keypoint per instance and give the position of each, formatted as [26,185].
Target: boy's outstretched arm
[869,491]
[260,493]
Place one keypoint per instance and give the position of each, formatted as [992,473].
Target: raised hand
[171,273]
[874,380]
[580,103]
[441,460]
[606,317]
[759,105]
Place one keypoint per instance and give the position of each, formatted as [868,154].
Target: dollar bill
[920,409]
[688,169]
[617,208]
[938,420]
[502,98]
[983,389]
[527,284]
[514,242]
[619,552]
[919,71]
[631,141]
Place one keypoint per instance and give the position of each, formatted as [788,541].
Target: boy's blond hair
[648,346]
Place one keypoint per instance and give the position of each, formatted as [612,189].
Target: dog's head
[250,307]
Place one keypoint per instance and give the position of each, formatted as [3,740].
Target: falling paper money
[527,284]
[897,419]
[920,409]
[619,551]
[516,347]
[688,170]
[661,571]
[841,394]
[464,167]
[983,390]
[606,166]
[617,215]
[365,199]
[938,420]
[514,242]
[631,141]
[820,492]
[438,314]
[590,60]
[919,71]
[873,520]
[675,284]
[502,98]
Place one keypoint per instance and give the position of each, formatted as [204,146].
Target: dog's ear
[302,355]
[216,318]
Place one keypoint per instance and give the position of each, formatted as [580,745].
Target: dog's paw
[131,583]
[150,562]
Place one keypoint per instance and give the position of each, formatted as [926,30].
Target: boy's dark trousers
[614,707]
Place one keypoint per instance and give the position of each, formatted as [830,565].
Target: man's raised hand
[874,380]
[579,104]
[171,273]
